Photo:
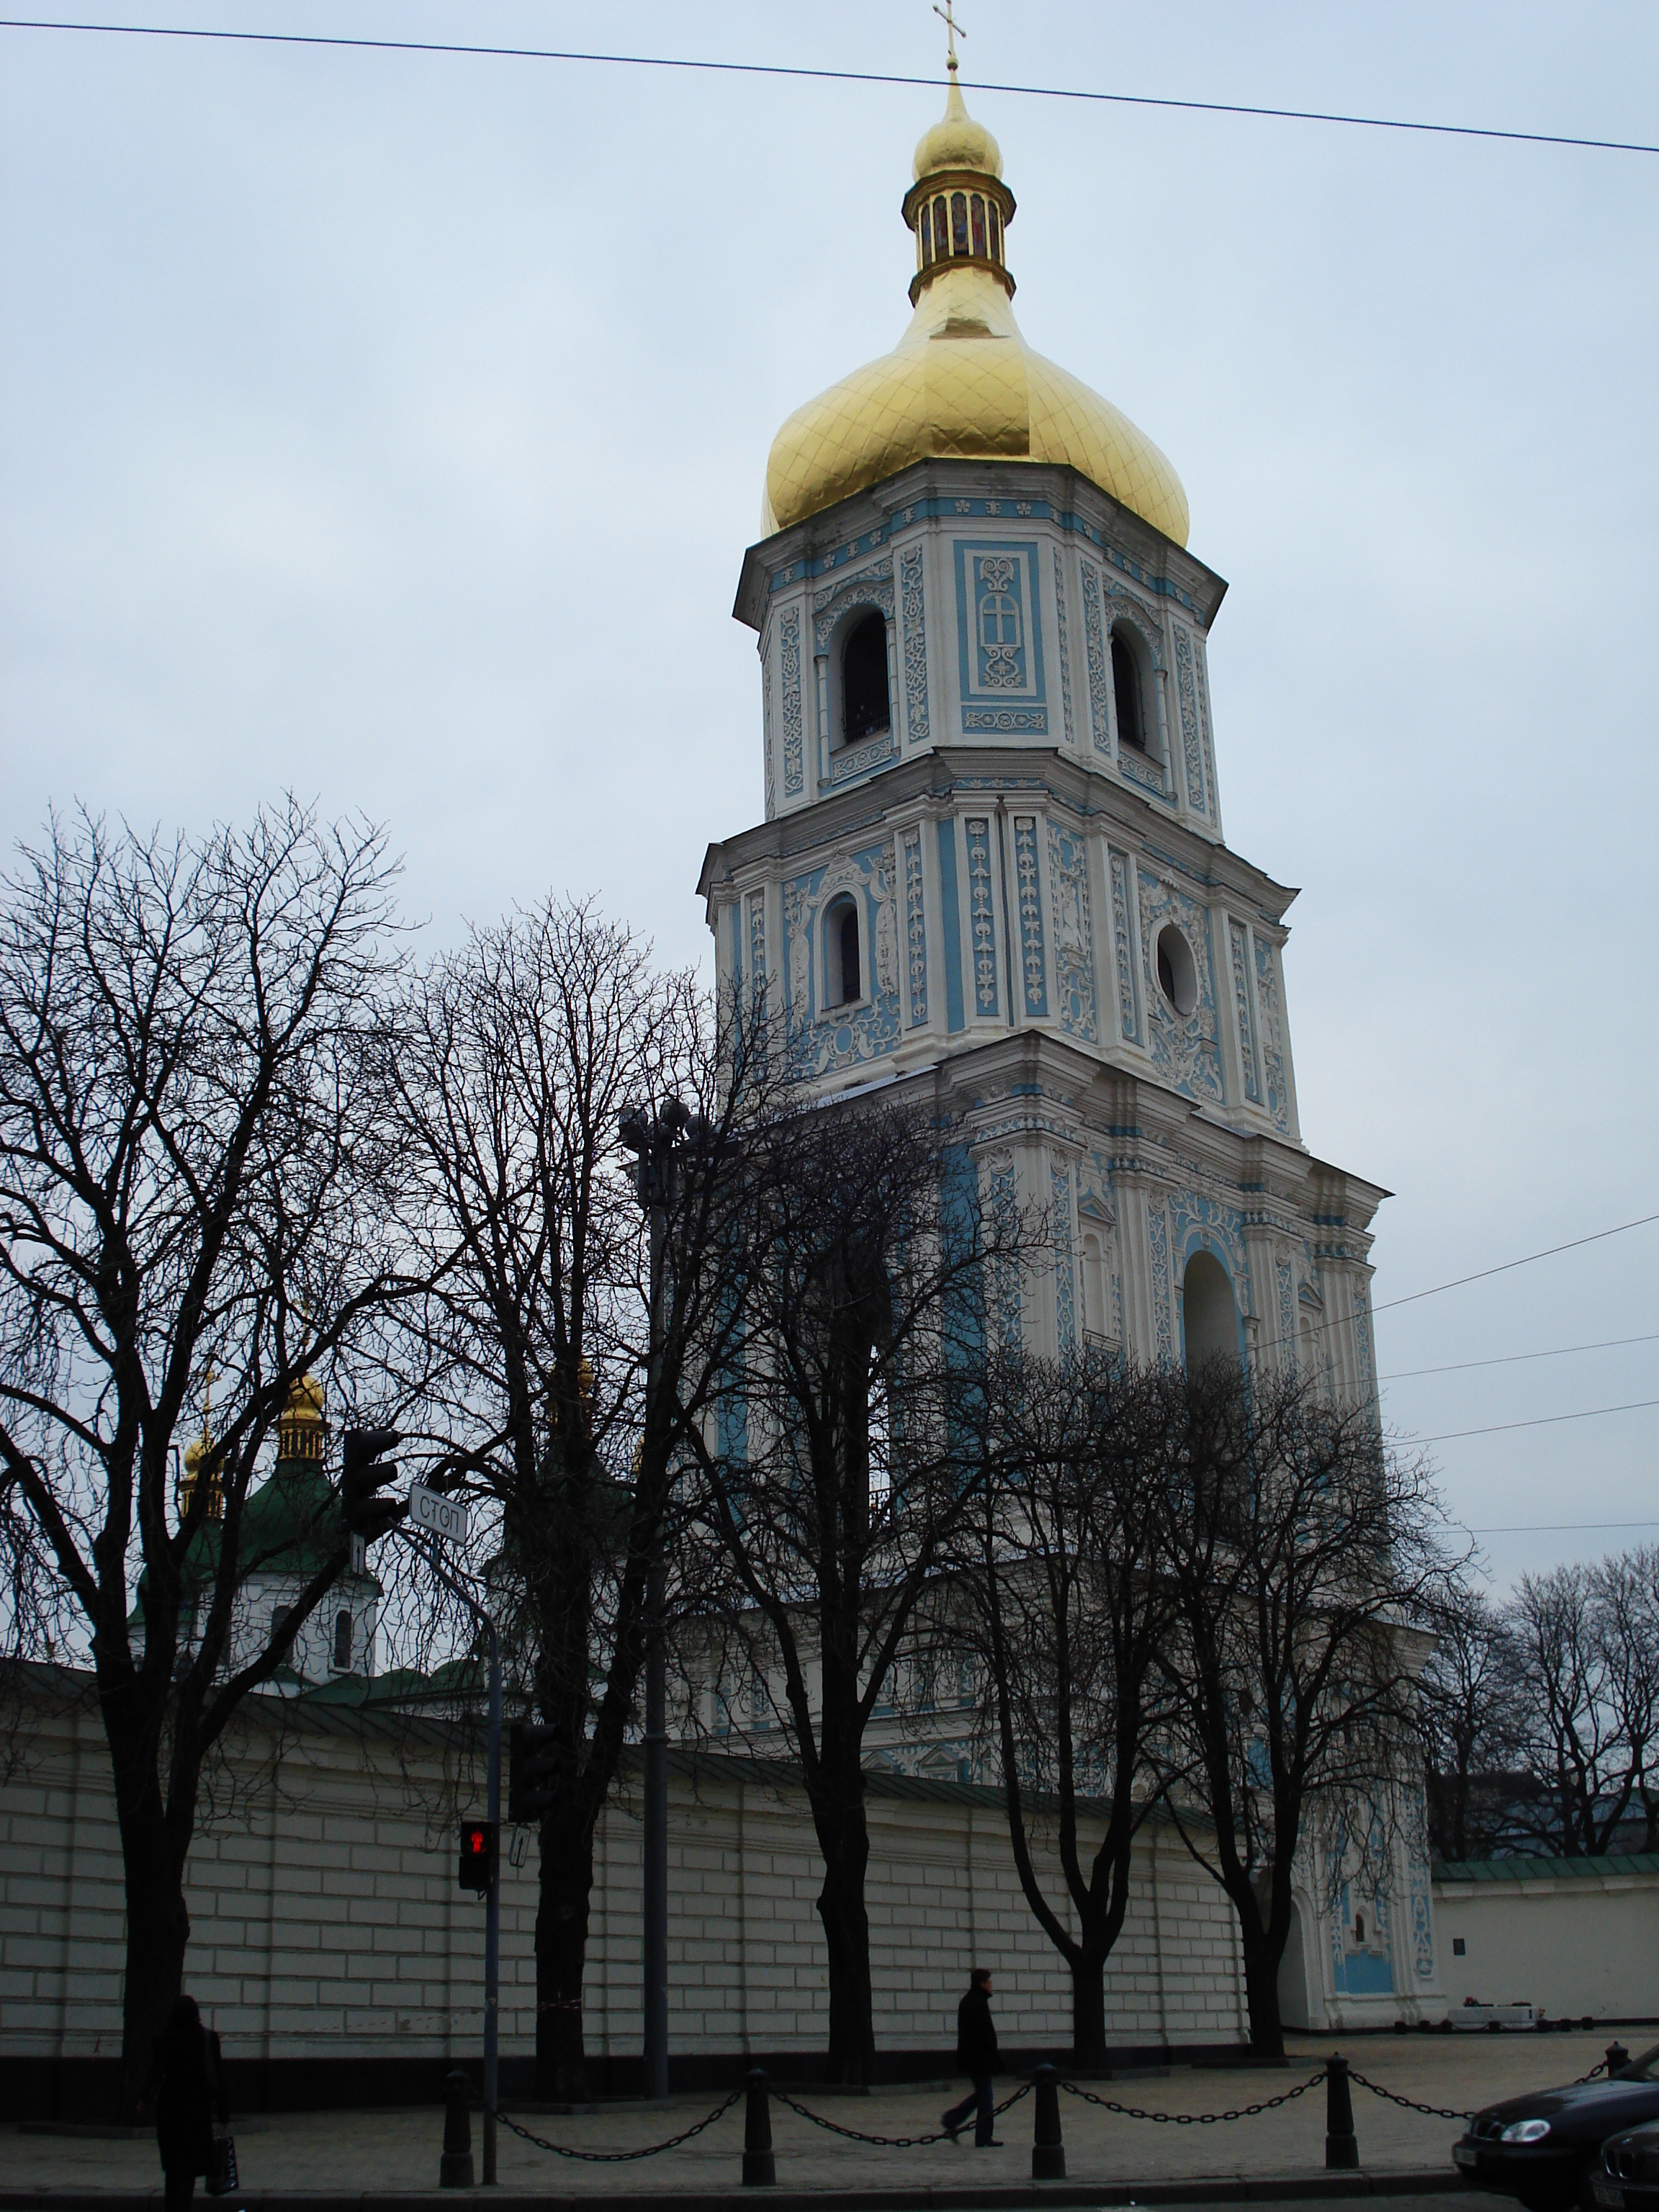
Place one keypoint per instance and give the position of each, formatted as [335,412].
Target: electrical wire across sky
[693,63]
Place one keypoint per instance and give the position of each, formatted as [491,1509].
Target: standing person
[188,2082]
[978,2059]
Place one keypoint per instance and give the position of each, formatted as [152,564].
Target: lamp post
[656,1137]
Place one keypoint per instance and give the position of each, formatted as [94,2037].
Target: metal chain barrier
[1199,2119]
[891,2143]
[621,2157]
[1434,2111]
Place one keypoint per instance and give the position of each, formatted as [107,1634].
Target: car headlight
[1525,2131]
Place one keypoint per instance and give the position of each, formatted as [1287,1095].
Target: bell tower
[991,856]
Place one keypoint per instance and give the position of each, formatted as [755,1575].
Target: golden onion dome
[962,383]
[304,1401]
[195,1453]
[956,141]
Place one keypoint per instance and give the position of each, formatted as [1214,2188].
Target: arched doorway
[1209,1316]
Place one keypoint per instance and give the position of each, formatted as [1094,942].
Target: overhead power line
[690,62]
[1597,1237]
[1557,1528]
[1513,1358]
[1541,1421]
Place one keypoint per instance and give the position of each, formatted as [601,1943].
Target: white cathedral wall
[327,1920]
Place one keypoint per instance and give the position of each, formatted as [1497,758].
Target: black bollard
[1341,2144]
[1617,2057]
[455,2167]
[1047,2151]
[760,2168]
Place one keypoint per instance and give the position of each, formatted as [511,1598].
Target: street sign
[444,1517]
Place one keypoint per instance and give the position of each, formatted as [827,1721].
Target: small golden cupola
[962,383]
[299,1431]
[195,1455]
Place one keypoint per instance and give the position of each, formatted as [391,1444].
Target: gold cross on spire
[953,31]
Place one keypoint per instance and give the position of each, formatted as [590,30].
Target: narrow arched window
[864,707]
[941,235]
[847,931]
[979,225]
[342,1642]
[993,225]
[959,223]
[1126,693]
[1209,1314]
[924,230]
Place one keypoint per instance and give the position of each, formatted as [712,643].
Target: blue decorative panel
[842,1036]
[1127,999]
[1032,966]
[850,762]
[1074,957]
[915,646]
[1240,951]
[1158,1242]
[1186,1048]
[981,924]
[766,718]
[1094,646]
[915,928]
[1191,741]
[789,670]
[1000,1174]
[1065,657]
[1060,1199]
[956,1016]
[1273,1034]
[999,633]
[757,946]
[1286,1310]
[1202,687]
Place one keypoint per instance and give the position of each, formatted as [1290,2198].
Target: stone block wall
[328,1930]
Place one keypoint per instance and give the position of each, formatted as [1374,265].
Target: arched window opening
[1177,974]
[864,706]
[1126,693]
[342,1642]
[941,233]
[979,225]
[994,223]
[843,971]
[925,231]
[281,1634]
[959,223]
[1095,1317]
[1211,1318]
[1359,1928]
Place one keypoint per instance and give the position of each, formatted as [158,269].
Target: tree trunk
[565,1886]
[1262,1985]
[1089,2013]
[158,1923]
[844,1838]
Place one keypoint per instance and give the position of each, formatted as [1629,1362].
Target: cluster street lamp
[658,1137]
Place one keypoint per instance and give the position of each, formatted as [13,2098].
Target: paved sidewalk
[395,2152]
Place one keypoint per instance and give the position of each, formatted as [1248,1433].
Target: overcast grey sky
[391,428]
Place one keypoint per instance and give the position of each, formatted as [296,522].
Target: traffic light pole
[492,1894]
[656,1731]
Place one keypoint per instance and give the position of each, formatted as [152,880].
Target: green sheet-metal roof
[1520,1869]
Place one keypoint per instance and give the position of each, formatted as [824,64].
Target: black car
[1543,2148]
[1627,2180]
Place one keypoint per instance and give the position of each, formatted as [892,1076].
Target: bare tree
[193,1174]
[833,1476]
[1589,1646]
[1067,1611]
[1472,1726]
[1302,1554]
[526,1048]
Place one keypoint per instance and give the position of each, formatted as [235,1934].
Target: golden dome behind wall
[962,383]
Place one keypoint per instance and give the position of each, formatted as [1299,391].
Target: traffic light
[363,1474]
[478,1855]
[531,1766]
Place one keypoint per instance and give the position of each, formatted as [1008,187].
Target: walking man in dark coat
[978,2059]
[188,2085]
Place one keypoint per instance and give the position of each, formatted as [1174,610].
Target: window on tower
[864,706]
[342,1643]
[843,969]
[959,223]
[994,223]
[925,233]
[979,225]
[1127,693]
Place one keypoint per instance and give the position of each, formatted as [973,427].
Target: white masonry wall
[326,1920]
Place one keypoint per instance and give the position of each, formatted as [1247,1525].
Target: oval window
[1178,975]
